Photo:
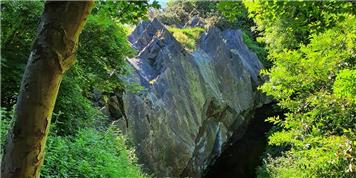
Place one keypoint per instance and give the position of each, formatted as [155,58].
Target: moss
[187,36]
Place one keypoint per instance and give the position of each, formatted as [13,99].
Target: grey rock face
[192,102]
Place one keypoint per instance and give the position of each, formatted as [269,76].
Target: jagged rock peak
[144,33]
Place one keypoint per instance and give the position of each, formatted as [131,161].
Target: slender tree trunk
[52,54]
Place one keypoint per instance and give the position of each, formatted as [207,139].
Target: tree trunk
[53,53]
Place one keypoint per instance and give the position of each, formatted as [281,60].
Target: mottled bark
[52,54]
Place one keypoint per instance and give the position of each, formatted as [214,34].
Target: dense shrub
[78,125]
[102,52]
[19,22]
[178,13]
[100,60]
[312,47]
[126,12]
[287,24]
[315,84]
[73,111]
[90,153]
[235,15]
[5,124]
[345,83]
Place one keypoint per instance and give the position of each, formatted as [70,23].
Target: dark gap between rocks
[241,159]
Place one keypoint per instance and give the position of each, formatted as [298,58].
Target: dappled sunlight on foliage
[188,37]
[90,153]
[80,144]
[18,28]
[315,83]
[289,24]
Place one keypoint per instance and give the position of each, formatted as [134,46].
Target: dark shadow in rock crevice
[242,157]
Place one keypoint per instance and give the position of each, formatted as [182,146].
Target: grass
[187,36]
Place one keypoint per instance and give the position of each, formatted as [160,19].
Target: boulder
[193,102]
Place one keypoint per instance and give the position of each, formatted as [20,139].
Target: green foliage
[178,13]
[257,48]
[232,10]
[315,83]
[5,124]
[88,153]
[287,24]
[73,111]
[314,66]
[102,53]
[345,84]
[128,12]
[102,50]
[187,36]
[19,22]
[91,153]
[236,13]
[311,161]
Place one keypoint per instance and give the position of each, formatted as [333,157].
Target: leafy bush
[178,13]
[73,111]
[315,84]
[187,36]
[345,83]
[19,21]
[126,12]
[102,50]
[90,153]
[5,124]
[317,161]
[287,24]
[235,15]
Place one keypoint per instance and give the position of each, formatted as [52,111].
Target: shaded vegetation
[18,28]
[5,124]
[289,24]
[90,153]
[80,144]
[178,13]
[312,47]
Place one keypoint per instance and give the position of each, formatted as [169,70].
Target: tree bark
[52,54]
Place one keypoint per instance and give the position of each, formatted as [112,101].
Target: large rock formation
[192,103]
